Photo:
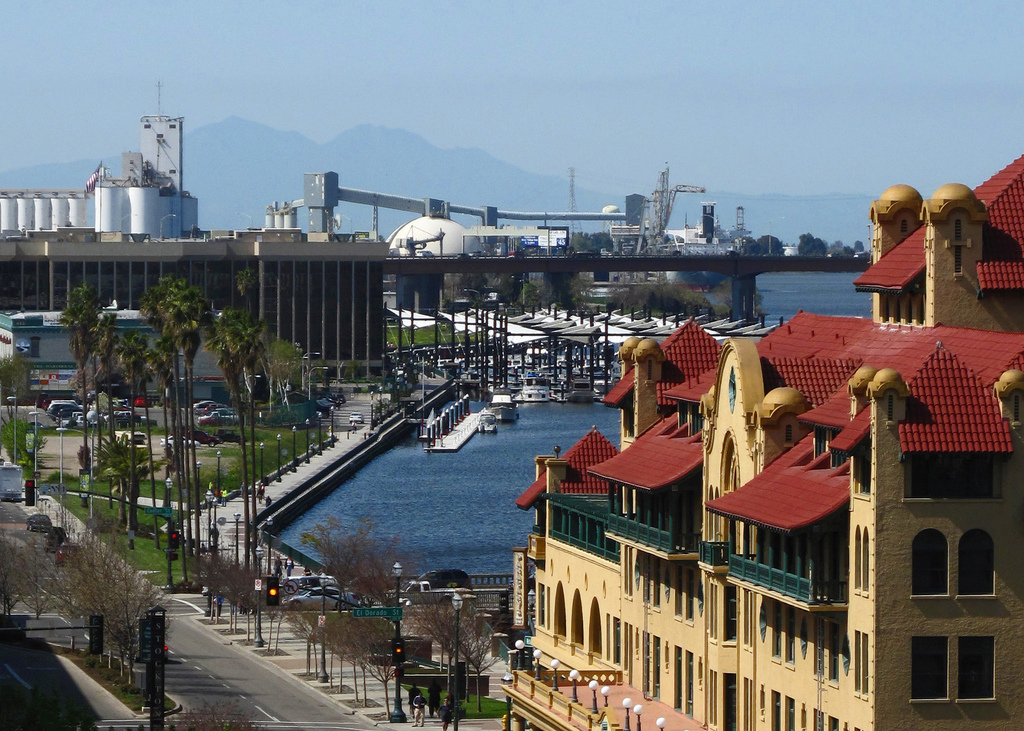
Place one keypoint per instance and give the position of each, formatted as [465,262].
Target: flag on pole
[90,184]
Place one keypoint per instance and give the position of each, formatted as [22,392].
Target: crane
[661,202]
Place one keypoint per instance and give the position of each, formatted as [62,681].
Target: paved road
[213,671]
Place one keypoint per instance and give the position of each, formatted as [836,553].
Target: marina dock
[457,438]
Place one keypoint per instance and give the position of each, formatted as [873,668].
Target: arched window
[930,574]
[865,566]
[977,563]
[856,553]
[560,611]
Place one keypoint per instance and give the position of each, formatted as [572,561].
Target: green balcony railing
[656,538]
[594,547]
[798,587]
[714,553]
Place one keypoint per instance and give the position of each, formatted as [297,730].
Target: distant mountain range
[237,167]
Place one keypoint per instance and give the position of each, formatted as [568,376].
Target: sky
[798,98]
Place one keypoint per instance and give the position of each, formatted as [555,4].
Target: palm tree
[131,352]
[160,360]
[106,349]
[245,280]
[81,318]
[114,461]
[223,339]
[252,349]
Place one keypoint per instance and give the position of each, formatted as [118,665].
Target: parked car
[39,523]
[218,417]
[205,438]
[355,418]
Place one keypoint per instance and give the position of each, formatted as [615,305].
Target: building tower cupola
[895,215]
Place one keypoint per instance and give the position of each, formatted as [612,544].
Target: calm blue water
[458,510]
[784,293]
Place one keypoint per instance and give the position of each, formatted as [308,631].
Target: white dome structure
[406,240]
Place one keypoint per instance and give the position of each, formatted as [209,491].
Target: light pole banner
[519,587]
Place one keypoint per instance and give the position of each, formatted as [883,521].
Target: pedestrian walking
[446,713]
[288,568]
[417,709]
[434,697]
[414,690]
[278,567]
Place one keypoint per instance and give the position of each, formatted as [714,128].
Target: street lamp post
[627,703]
[307,441]
[258,642]
[238,516]
[554,673]
[319,434]
[167,502]
[295,465]
[593,689]
[278,457]
[638,709]
[508,702]
[457,604]
[324,678]
[536,662]
[13,401]
[263,475]
[574,676]
[397,715]
[60,432]
[520,663]
[605,691]
[218,473]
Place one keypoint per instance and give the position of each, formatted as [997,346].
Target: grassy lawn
[489,707]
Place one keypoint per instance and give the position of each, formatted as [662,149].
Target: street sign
[291,586]
[259,585]
[392,613]
[167,512]
[321,620]
[528,640]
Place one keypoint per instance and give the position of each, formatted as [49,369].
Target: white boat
[488,423]
[536,389]
[503,406]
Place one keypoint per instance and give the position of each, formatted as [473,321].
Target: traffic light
[96,634]
[397,651]
[273,591]
[174,556]
[173,537]
[30,493]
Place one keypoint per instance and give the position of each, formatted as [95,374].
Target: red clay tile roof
[590,450]
[1003,193]
[854,432]
[816,378]
[689,350]
[994,275]
[898,268]
[617,394]
[693,388]
[793,492]
[835,412]
[665,454]
[951,410]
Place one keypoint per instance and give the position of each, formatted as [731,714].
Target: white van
[11,486]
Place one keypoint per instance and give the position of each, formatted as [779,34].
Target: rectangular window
[679,591]
[833,653]
[833,724]
[976,667]
[928,667]
[647,579]
[790,635]
[691,593]
[776,711]
[730,613]
[713,611]
[748,704]
[951,476]
[689,684]
[656,668]
[864,665]
[542,606]
[627,573]
[777,630]
[790,714]
[678,680]
[958,260]
[657,584]
[713,697]
[618,640]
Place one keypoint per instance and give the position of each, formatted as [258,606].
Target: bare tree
[96,579]
[358,559]
[10,573]
[475,642]
[217,717]
[436,621]
[37,576]
[371,647]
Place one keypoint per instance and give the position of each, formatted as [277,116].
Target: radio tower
[572,199]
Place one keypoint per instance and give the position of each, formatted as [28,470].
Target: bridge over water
[743,270]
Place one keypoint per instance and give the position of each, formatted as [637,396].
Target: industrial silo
[110,207]
[59,212]
[26,214]
[78,211]
[42,212]
[144,204]
[268,221]
[291,217]
[279,219]
[8,214]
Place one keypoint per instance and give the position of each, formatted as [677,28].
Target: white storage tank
[278,219]
[78,213]
[59,212]
[8,214]
[110,207]
[26,214]
[268,220]
[42,206]
[144,204]
[291,218]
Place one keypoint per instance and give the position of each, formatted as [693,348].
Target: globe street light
[278,457]
[554,673]
[258,642]
[397,715]
[536,661]
[637,709]
[627,703]
[574,676]
[605,691]
[218,474]
[167,502]
[593,689]
[457,604]
[520,645]
[660,723]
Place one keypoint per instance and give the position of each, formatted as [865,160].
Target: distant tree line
[809,245]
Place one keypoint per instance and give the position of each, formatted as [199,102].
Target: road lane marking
[198,609]
[275,720]
[224,684]
[20,680]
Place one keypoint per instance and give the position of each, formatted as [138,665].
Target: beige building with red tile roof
[816,530]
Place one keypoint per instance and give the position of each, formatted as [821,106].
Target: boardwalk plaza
[818,530]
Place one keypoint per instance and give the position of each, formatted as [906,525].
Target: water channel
[458,510]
